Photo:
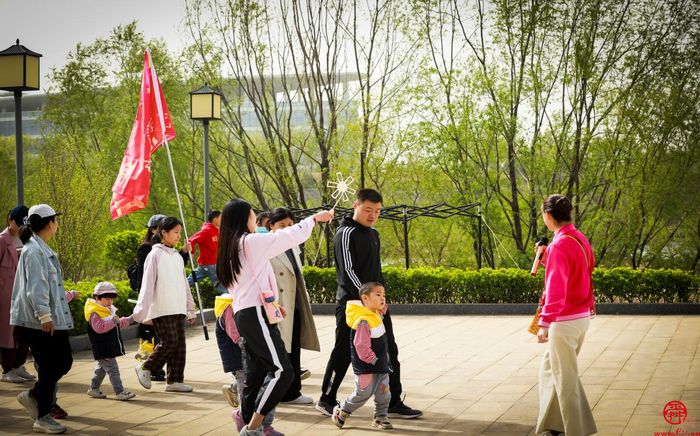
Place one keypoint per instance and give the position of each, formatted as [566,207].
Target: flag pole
[177,192]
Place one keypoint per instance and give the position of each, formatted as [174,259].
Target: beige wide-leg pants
[563,403]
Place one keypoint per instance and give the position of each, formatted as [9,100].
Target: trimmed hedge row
[440,285]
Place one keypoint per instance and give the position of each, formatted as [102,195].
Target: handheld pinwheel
[342,189]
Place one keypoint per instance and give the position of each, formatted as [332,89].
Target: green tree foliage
[120,248]
[455,101]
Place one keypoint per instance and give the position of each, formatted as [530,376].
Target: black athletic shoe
[326,407]
[158,377]
[400,410]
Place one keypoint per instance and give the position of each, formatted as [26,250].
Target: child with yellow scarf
[104,330]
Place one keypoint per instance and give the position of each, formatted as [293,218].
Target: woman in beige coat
[298,329]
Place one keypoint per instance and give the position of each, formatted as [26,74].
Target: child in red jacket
[208,240]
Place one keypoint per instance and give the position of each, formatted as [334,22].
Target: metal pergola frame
[404,213]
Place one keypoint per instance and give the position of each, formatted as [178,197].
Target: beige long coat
[287,285]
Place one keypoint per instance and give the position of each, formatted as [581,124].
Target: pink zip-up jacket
[567,279]
[100,325]
[261,247]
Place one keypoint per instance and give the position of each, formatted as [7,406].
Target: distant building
[276,87]
[32,105]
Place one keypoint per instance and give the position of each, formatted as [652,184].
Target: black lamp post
[19,71]
[205,105]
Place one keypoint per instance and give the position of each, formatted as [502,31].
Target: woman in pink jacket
[243,267]
[14,350]
[568,305]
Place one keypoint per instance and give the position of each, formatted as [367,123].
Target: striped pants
[268,369]
[171,349]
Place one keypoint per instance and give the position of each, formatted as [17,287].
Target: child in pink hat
[104,330]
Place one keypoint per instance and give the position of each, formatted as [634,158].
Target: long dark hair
[150,233]
[558,206]
[234,227]
[278,214]
[165,225]
[35,223]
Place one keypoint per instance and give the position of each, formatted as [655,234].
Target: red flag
[134,179]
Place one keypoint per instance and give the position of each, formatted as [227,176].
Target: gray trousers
[107,367]
[239,377]
[367,385]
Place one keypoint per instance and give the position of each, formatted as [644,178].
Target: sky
[54,27]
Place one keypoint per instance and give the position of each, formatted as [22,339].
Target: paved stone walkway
[470,374]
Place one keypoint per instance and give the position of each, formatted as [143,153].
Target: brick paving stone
[471,375]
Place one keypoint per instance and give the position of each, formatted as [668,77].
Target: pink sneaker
[238,419]
[269,431]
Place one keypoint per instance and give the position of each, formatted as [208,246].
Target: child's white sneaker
[96,393]
[124,395]
[231,394]
[382,423]
[144,376]
[178,387]
[22,372]
[339,416]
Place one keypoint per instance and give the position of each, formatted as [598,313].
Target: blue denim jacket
[38,288]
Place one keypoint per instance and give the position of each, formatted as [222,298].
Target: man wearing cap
[14,350]
[41,315]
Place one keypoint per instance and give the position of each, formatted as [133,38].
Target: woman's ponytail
[25,232]
[34,224]
[558,206]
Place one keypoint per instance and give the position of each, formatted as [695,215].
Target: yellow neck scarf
[91,307]
[221,303]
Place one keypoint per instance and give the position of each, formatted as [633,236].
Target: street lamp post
[19,71]
[205,105]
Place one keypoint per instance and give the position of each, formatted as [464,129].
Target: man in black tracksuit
[356,247]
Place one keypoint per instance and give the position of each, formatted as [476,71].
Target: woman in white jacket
[244,265]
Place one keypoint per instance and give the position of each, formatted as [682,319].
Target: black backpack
[133,273]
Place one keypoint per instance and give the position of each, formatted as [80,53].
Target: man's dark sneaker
[57,412]
[158,377]
[326,407]
[400,410]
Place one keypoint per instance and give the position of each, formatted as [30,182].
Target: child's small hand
[283,311]
[116,317]
[383,310]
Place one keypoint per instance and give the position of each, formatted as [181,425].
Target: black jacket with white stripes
[357,259]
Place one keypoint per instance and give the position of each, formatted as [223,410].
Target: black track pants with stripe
[267,367]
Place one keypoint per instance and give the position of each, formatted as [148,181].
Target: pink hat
[105,288]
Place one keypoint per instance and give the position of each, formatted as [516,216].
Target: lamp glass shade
[217,107]
[202,106]
[19,72]
[32,73]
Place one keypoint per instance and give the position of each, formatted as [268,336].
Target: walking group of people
[263,315]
